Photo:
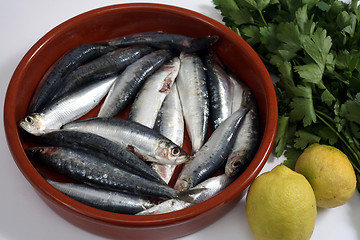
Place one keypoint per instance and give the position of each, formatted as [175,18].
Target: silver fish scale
[66,64]
[209,187]
[192,88]
[150,97]
[67,109]
[103,199]
[213,154]
[105,66]
[116,130]
[170,123]
[104,148]
[72,106]
[130,80]
[87,168]
[247,140]
[219,86]
[143,141]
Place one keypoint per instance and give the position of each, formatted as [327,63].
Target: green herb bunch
[313,47]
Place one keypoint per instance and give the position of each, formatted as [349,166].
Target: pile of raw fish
[172,84]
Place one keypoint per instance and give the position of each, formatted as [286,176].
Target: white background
[23,215]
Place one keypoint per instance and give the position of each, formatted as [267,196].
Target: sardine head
[33,123]
[234,165]
[41,153]
[34,152]
[183,183]
[171,153]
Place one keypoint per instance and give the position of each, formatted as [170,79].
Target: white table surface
[23,215]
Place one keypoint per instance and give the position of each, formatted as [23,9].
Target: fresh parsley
[314,48]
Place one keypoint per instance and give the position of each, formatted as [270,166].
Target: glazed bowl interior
[111,22]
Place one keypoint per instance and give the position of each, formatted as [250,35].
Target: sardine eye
[236,164]
[175,151]
[29,119]
[37,150]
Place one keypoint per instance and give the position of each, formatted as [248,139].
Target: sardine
[149,99]
[170,123]
[130,80]
[65,65]
[167,206]
[166,40]
[210,187]
[219,87]
[170,120]
[213,154]
[89,169]
[247,140]
[191,84]
[66,109]
[108,65]
[111,201]
[101,147]
[145,142]
[237,90]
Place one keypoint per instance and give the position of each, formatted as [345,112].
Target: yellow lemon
[330,174]
[281,205]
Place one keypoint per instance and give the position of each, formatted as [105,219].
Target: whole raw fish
[170,123]
[145,142]
[150,97]
[108,65]
[247,140]
[103,148]
[66,109]
[238,89]
[210,187]
[130,80]
[64,66]
[89,169]
[213,154]
[111,201]
[170,120]
[219,87]
[191,84]
[166,40]
[167,206]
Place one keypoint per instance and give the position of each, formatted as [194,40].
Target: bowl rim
[41,185]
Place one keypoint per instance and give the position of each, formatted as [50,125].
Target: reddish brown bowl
[110,22]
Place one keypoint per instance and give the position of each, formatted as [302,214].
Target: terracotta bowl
[111,22]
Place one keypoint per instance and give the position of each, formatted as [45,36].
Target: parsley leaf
[302,106]
[313,47]
[351,109]
[305,138]
[311,73]
[292,154]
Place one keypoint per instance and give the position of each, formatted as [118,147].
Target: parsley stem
[355,163]
[262,18]
[350,143]
[337,76]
